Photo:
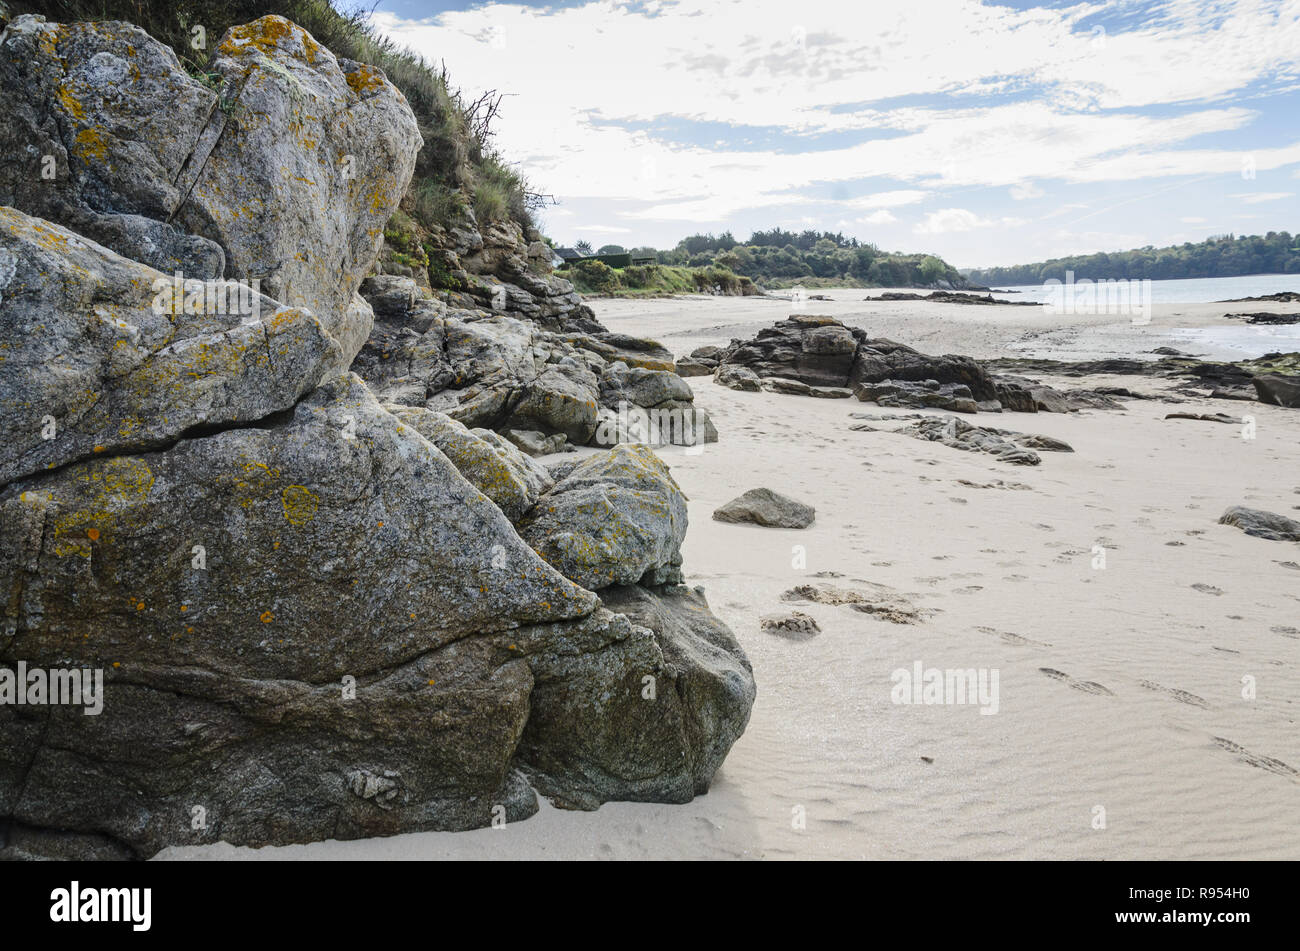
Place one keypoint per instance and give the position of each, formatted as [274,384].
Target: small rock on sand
[765,507]
[795,626]
[1262,524]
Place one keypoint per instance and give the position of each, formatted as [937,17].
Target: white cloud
[585,82]
[1192,221]
[1258,198]
[1026,191]
[888,199]
[882,217]
[947,220]
[600,229]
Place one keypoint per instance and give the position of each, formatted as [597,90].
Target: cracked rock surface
[324,603]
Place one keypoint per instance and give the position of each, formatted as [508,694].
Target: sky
[987,133]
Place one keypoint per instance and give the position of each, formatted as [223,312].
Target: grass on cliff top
[597,279]
[457,163]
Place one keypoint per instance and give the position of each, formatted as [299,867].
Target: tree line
[778,257]
[1277,252]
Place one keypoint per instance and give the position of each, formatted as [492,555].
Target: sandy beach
[1125,725]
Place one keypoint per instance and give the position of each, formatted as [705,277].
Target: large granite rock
[286,176]
[99,125]
[100,353]
[314,618]
[337,544]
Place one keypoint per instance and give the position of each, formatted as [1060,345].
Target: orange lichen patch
[299,504]
[92,534]
[365,79]
[90,144]
[98,449]
[266,617]
[263,35]
[117,664]
[139,605]
[70,103]
[184,608]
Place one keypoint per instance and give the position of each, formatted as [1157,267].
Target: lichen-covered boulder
[229,587]
[101,353]
[285,175]
[98,123]
[494,466]
[643,711]
[617,517]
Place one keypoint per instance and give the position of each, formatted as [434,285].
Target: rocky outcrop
[765,507]
[500,269]
[822,352]
[319,610]
[496,372]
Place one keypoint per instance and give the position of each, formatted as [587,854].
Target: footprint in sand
[1260,762]
[1086,686]
[1207,589]
[1289,564]
[1285,631]
[1015,577]
[1182,696]
[969,589]
[1018,639]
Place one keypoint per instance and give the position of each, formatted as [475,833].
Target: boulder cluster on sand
[1273,378]
[329,594]
[951,297]
[1003,444]
[819,356]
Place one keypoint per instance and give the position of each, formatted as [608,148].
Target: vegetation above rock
[779,258]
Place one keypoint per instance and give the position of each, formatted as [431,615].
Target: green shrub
[595,276]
